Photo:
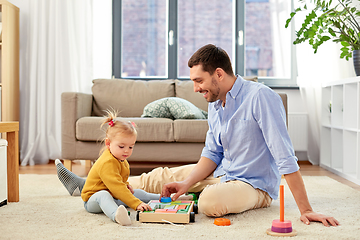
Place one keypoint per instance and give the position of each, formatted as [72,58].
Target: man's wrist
[308,210]
[188,183]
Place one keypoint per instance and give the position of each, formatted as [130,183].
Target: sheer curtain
[280,11]
[58,58]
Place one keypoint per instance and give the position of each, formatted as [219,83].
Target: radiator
[297,128]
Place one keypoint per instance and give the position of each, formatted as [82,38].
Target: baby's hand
[143,207]
[130,188]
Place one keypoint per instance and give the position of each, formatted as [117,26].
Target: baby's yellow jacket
[110,174]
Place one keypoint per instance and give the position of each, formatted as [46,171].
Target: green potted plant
[338,21]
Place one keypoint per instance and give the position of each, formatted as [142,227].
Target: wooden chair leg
[88,163]
[68,164]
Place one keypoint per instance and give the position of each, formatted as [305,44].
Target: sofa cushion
[174,108]
[154,129]
[185,89]
[190,130]
[149,129]
[128,96]
[88,129]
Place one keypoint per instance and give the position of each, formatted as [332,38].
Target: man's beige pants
[216,199]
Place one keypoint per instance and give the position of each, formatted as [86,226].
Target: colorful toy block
[175,212]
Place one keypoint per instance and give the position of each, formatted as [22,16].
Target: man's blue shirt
[248,138]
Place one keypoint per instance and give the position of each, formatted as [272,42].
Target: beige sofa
[160,142]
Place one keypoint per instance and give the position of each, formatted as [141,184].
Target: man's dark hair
[211,58]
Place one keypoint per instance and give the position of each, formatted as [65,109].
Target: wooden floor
[306,169]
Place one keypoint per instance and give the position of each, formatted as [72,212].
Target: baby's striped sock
[73,183]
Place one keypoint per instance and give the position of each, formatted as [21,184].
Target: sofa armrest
[73,106]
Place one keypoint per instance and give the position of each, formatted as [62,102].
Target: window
[144,43]
[155,38]
[201,22]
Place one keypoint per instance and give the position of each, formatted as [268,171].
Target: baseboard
[3,203]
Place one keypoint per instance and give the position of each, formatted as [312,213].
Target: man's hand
[202,170]
[318,217]
[179,188]
[297,187]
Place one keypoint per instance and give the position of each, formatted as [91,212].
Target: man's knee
[211,203]
[230,197]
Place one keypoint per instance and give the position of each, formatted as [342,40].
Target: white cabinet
[340,128]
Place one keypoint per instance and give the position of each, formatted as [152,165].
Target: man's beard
[213,94]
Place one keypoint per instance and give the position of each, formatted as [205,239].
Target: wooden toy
[174,212]
[281,227]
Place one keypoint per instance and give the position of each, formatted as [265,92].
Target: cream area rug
[47,211]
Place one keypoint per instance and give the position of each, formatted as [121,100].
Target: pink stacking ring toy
[281,227]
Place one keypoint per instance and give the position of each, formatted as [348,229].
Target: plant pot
[356,59]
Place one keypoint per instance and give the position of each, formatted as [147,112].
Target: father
[247,147]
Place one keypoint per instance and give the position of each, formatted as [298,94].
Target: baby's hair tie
[111,123]
[133,124]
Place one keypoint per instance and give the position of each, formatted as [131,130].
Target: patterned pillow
[174,108]
[157,109]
